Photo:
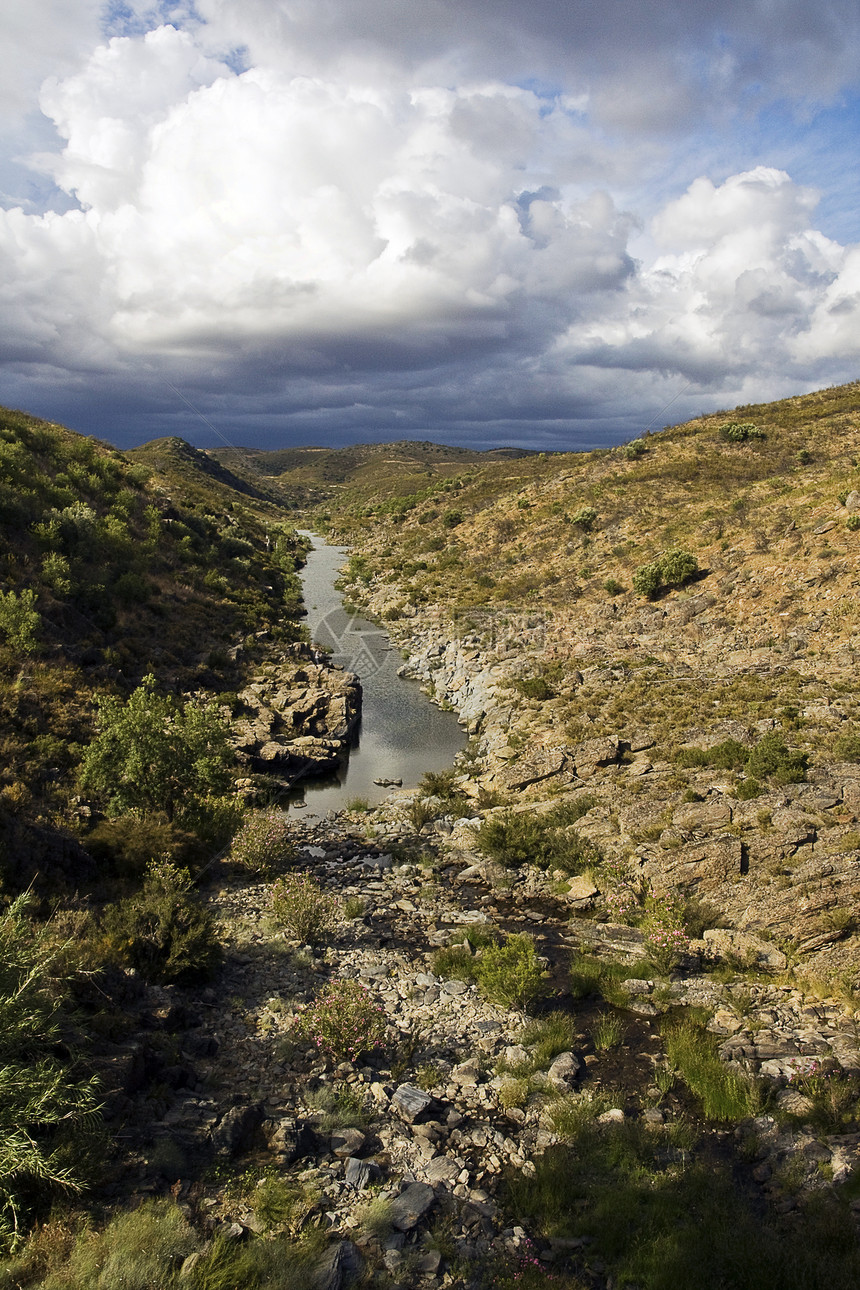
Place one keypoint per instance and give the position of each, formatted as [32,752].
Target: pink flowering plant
[666,936]
[343,1021]
[308,912]
[623,891]
[263,845]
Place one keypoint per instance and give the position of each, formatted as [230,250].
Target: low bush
[671,569]
[666,936]
[163,931]
[585,518]
[534,687]
[769,759]
[263,844]
[127,843]
[847,747]
[342,1021]
[306,910]
[519,837]
[740,432]
[510,974]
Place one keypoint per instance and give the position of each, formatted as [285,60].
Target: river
[401,734]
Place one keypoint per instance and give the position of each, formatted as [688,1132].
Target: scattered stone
[410,1102]
[411,1205]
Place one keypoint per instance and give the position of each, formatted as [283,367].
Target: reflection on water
[402,734]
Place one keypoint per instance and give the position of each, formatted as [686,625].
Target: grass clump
[607,1031]
[549,1036]
[309,914]
[692,1051]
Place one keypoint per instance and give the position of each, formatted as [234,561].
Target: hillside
[582,1009]
[527,578]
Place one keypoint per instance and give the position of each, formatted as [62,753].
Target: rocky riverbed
[215,1083]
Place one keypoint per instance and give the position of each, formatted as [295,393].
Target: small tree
[154,754]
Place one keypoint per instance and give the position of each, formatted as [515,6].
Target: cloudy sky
[550,224]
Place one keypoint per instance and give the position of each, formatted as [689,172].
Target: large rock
[410,1102]
[411,1205]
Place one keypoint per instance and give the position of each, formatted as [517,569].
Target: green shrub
[728,755]
[452,518]
[342,1021]
[510,975]
[46,1101]
[154,754]
[740,431]
[264,843]
[20,620]
[647,579]
[771,759]
[455,963]
[534,687]
[163,931]
[613,587]
[666,936]
[516,838]
[585,518]
[853,523]
[307,911]
[672,569]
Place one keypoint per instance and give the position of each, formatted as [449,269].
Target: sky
[553,224]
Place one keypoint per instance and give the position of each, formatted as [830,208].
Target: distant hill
[309,476]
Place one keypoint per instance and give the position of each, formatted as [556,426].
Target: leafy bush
[509,974]
[515,838]
[309,913]
[613,587]
[44,1100]
[452,518]
[20,620]
[163,931]
[771,759]
[343,1021]
[264,843]
[585,518]
[728,755]
[455,963]
[671,569]
[853,523]
[740,431]
[154,754]
[534,687]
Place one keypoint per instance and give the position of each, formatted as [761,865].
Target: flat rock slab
[411,1205]
[410,1102]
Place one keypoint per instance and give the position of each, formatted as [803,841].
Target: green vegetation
[263,845]
[342,1021]
[725,1094]
[740,432]
[162,931]
[672,569]
[304,908]
[155,754]
[770,758]
[47,1103]
[510,974]
[659,1223]
[516,838]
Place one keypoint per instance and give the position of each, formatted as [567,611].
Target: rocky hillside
[715,722]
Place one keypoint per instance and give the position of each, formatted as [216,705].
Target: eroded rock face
[299,713]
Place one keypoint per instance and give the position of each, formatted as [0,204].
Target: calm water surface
[402,734]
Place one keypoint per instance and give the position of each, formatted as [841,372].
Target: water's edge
[402,734]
